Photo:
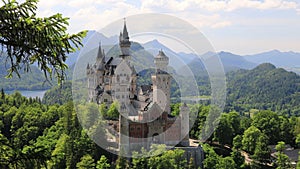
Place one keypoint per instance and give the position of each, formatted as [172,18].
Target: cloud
[221,24]
[50,3]
[218,5]
[262,5]
[94,14]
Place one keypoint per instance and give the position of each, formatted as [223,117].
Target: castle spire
[124,42]
[125,32]
[100,58]
[99,55]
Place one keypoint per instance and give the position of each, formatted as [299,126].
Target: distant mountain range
[287,60]
[179,60]
[144,53]
[277,58]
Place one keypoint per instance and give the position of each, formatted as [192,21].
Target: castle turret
[161,82]
[100,63]
[100,60]
[124,43]
[184,117]
[161,62]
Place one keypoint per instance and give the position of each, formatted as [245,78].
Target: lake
[29,93]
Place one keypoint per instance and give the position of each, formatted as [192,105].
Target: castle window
[105,100]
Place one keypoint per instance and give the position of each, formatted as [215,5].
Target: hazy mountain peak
[273,51]
[277,58]
[265,66]
[155,44]
[224,52]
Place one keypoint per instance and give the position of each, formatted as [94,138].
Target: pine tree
[28,39]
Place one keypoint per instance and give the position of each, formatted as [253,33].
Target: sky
[237,26]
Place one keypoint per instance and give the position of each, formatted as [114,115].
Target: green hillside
[32,80]
[264,87]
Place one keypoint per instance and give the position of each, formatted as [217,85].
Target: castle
[145,113]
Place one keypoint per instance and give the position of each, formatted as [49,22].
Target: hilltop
[264,87]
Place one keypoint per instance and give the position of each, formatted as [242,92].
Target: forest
[38,135]
[262,108]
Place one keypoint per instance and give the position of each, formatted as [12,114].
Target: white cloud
[50,3]
[221,24]
[94,14]
[217,5]
[96,17]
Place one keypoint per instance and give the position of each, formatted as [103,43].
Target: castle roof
[161,54]
[146,89]
[100,58]
[125,32]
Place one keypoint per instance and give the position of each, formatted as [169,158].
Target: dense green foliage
[45,134]
[28,39]
[159,157]
[36,135]
[33,135]
[34,80]
[264,88]
[59,94]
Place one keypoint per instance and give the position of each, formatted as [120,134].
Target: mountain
[277,58]
[233,62]
[90,42]
[230,62]
[32,80]
[264,87]
[177,60]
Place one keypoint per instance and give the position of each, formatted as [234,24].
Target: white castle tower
[124,87]
[161,82]
[185,126]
